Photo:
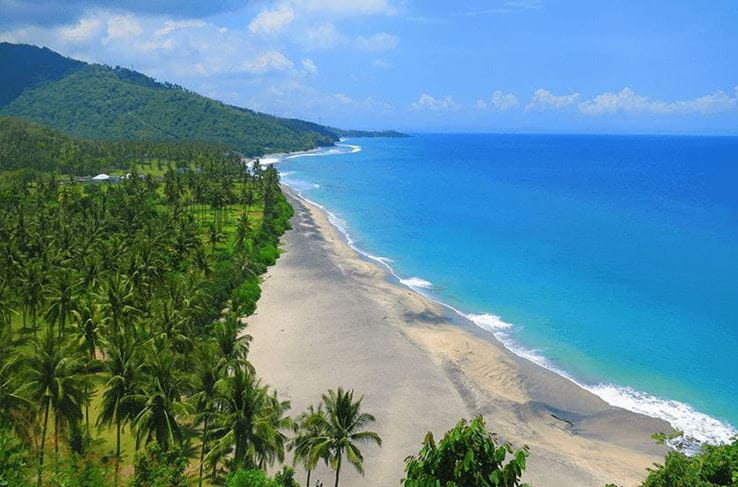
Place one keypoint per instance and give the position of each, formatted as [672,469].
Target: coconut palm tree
[32,282]
[232,343]
[342,424]
[248,421]
[61,298]
[309,427]
[208,372]
[12,397]
[118,300]
[118,406]
[56,384]
[162,389]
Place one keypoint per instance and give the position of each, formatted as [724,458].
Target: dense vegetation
[100,102]
[29,146]
[122,351]
[467,455]
[27,66]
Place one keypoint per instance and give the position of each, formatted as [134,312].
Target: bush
[251,478]
[156,468]
[245,296]
[467,455]
[716,465]
[14,461]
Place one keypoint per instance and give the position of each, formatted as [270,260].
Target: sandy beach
[329,317]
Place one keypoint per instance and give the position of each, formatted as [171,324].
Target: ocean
[612,260]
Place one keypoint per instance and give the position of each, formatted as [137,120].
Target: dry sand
[328,317]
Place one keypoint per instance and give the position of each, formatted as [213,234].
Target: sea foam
[417,282]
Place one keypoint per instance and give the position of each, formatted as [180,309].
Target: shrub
[467,455]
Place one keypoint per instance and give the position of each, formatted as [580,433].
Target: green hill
[100,102]
[27,66]
[30,146]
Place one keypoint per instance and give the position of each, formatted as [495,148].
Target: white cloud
[172,25]
[380,41]
[323,36]
[272,21]
[123,26]
[628,101]
[84,30]
[309,66]
[545,100]
[430,103]
[348,7]
[269,61]
[498,101]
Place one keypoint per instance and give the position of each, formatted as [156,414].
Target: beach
[329,317]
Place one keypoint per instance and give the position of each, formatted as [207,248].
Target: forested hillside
[26,66]
[100,102]
[27,145]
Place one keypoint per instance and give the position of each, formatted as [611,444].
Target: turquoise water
[611,259]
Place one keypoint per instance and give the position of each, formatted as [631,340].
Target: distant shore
[330,317]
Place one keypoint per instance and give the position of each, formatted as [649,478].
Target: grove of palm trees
[123,348]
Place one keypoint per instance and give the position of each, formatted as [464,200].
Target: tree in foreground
[715,465]
[342,427]
[467,455]
[309,427]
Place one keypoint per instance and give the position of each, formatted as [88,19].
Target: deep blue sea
[611,259]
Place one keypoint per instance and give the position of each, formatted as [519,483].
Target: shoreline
[698,428]
[575,437]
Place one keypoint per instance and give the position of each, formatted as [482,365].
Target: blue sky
[497,65]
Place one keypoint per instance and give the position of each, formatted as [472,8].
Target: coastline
[331,317]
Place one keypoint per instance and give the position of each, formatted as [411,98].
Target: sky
[575,66]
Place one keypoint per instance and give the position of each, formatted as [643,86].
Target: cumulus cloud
[82,31]
[269,61]
[172,25]
[498,101]
[427,102]
[123,26]
[322,36]
[381,41]
[628,101]
[272,21]
[545,100]
[309,66]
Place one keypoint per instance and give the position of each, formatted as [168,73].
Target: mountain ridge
[101,102]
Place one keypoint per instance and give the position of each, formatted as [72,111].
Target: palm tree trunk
[202,447]
[307,482]
[56,441]
[338,470]
[117,449]
[43,445]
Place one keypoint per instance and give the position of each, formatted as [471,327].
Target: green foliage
[257,478]
[27,145]
[715,465]
[245,296]
[102,103]
[14,460]
[467,455]
[31,66]
[156,468]
[116,103]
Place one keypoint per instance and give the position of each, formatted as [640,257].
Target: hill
[27,66]
[101,102]
[27,145]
